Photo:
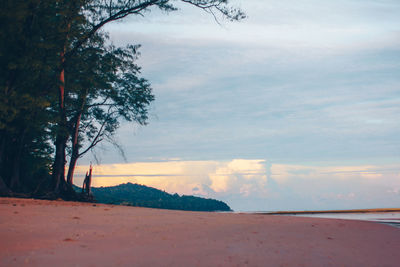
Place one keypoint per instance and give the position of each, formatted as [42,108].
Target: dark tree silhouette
[61,82]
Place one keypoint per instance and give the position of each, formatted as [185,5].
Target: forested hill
[144,196]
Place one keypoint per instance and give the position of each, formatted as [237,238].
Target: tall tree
[107,89]
[71,21]
[26,82]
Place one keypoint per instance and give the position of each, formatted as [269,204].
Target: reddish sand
[57,233]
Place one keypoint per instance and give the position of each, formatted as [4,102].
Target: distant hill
[144,196]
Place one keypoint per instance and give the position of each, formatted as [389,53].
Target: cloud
[242,177]
[298,81]
[334,187]
[259,185]
[185,177]
[288,25]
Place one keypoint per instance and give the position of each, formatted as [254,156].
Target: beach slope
[58,233]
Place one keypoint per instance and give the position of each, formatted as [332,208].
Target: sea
[389,218]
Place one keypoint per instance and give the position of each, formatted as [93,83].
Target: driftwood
[87,182]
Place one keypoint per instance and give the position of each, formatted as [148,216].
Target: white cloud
[240,177]
[258,185]
[182,176]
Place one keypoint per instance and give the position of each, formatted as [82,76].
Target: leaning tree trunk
[75,144]
[75,152]
[71,168]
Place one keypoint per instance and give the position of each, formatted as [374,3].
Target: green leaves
[106,79]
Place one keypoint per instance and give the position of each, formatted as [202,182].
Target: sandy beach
[58,233]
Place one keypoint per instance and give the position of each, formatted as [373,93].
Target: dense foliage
[143,196]
[64,87]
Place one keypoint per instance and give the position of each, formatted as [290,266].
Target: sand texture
[57,233]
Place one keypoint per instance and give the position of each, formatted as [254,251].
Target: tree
[108,89]
[61,82]
[26,82]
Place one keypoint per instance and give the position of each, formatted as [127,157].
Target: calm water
[390,218]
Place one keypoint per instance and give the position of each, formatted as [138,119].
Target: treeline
[64,87]
[143,196]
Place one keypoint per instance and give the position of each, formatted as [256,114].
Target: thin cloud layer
[250,185]
[298,81]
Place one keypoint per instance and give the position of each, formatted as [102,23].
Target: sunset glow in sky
[296,107]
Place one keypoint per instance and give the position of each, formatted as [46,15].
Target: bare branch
[112,17]
[100,133]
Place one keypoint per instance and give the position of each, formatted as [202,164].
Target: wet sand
[58,233]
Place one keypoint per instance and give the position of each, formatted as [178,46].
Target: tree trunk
[71,169]
[4,190]
[58,175]
[75,144]
[15,183]
[2,148]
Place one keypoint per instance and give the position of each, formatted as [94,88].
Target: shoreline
[59,233]
[378,210]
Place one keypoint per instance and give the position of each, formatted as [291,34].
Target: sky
[296,107]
